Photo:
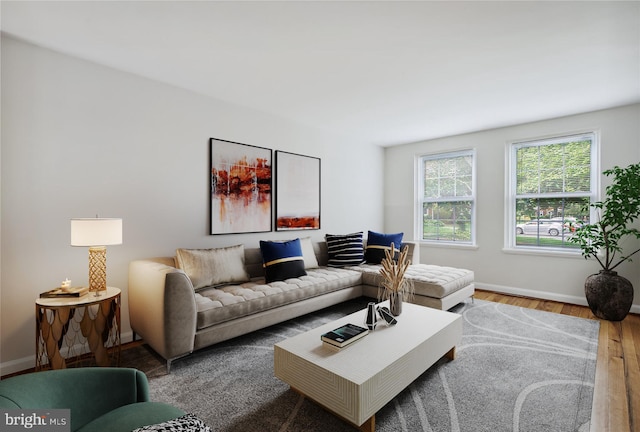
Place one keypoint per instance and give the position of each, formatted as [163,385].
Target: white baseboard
[29,362]
[543,295]
[18,365]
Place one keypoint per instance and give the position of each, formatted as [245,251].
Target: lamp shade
[96,232]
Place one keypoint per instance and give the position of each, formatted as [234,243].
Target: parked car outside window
[552,228]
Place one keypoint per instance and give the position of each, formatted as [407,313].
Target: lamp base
[97,269]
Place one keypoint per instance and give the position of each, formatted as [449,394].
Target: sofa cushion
[428,280]
[131,416]
[217,305]
[282,260]
[378,243]
[345,250]
[186,423]
[208,267]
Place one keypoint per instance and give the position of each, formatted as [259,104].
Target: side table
[78,330]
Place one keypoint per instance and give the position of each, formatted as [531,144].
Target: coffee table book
[344,335]
[70,292]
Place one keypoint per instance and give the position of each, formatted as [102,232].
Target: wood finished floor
[616,399]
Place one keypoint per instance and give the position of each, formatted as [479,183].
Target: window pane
[431,188]
[464,186]
[447,187]
[448,177]
[464,166]
[527,167]
[551,180]
[449,221]
[578,166]
[549,222]
[430,169]
[554,168]
[578,179]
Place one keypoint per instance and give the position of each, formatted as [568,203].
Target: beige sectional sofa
[175,319]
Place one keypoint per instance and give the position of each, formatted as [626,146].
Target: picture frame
[298,179]
[241,183]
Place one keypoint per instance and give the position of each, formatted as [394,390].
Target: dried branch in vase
[392,272]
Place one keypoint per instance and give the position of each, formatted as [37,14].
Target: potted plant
[609,295]
[394,285]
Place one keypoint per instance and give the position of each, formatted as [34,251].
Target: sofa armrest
[88,392]
[162,307]
[414,251]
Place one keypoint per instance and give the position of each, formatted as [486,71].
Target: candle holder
[65,285]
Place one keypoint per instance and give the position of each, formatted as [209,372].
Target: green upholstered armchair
[100,399]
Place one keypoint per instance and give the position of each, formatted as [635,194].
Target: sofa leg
[168,366]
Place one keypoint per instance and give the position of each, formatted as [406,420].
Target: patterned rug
[516,369]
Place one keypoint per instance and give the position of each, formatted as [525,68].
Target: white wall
[551,277]
[80,139]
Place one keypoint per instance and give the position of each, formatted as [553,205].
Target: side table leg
[97,331]
[51,335]
[92,329]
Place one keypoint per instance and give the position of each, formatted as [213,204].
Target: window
[446,197]
[551,183]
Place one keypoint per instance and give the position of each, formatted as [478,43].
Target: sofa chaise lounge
[175,319]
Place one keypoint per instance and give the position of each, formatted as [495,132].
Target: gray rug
[516,370]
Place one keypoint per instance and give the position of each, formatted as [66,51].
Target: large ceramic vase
[609,295]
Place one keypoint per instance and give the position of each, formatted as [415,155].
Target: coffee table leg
[451,355]
[367,426]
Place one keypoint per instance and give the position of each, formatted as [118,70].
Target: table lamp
[96,233]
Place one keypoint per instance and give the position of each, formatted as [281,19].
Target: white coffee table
[357,381]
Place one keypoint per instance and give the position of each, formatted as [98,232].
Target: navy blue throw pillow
[377,243]
[282,260]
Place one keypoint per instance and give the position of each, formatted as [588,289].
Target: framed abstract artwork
[297,192]
[241,182]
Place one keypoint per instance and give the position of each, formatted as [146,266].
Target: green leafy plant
[616,213]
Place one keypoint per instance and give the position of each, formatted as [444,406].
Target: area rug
[516,369]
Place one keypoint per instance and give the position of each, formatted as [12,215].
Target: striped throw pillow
[345,250]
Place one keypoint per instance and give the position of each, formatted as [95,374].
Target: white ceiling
[384,72]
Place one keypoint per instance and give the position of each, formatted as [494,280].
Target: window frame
[511,184]
[420,200]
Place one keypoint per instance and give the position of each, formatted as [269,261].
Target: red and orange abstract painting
[240,188]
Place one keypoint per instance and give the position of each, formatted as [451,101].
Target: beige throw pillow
[208,267]
[309,255]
